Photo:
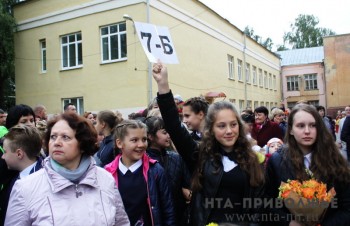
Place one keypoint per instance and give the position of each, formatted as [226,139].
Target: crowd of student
[166,165]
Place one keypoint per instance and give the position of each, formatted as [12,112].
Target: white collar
[228,164]
[132,168]
[26,171]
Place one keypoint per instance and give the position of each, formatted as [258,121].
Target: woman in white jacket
[70,189]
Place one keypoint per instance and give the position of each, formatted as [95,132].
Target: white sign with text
[156,43]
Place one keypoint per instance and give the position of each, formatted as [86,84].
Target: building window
[241,105]
[232,100]
[249,104]
[43,55]
[292,83]
[274,82]
[262,103]
[231,67]
[267,105]
[290,105]
[72,52]
[265,80]
[256,104]
[310,81]
[270,81]
[113,42]
[313,102]
[78,102]
[239,70]
[260,78]
[247,73]
[254,75]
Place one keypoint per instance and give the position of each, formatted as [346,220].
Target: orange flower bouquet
[307,200]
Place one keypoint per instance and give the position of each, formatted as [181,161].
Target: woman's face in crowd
[63,146]
[278,118]
[26,121]
[304,130]
[260,118]
[226,129]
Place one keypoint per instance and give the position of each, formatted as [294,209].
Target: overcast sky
[272,18]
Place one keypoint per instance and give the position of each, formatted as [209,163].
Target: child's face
[274,147]
[161,140]
[133,146]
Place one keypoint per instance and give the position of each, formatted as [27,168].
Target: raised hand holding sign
[156,42]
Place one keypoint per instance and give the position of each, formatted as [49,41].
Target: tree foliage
[7,56]
[267,43]
[305,33]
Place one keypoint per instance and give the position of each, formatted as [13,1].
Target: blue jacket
[159,195]
[106,153]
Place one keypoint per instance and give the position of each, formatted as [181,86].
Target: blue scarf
[72,175]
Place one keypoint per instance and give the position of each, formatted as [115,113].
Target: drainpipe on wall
[150,95]
[245,70]
[325,86]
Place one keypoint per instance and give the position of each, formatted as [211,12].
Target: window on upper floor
[113,43]
[72,52]
[239,69]
[274,82]
[247,73]
[265,80]
[43,55]
[231,67]
[292,83]
[77,101]
[261,81]
[310,81]
[254,75]
[270,81]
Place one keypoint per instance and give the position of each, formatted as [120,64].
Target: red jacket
[266,132]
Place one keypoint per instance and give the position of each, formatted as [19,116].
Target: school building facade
[87,52]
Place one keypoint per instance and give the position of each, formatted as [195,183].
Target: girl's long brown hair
[327,163]
[210,149]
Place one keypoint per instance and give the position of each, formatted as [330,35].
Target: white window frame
[274,82]
[121,45]
[232,101]
[247,73]
[256,104]
[254,75]
[43,56]
[239,67]
[270,81]
[292,83]
[77,101]
[311,81]
[241,105]
[231,68]
[314,102]
[265,80]
[249,104]
[77,48]
[261,80]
